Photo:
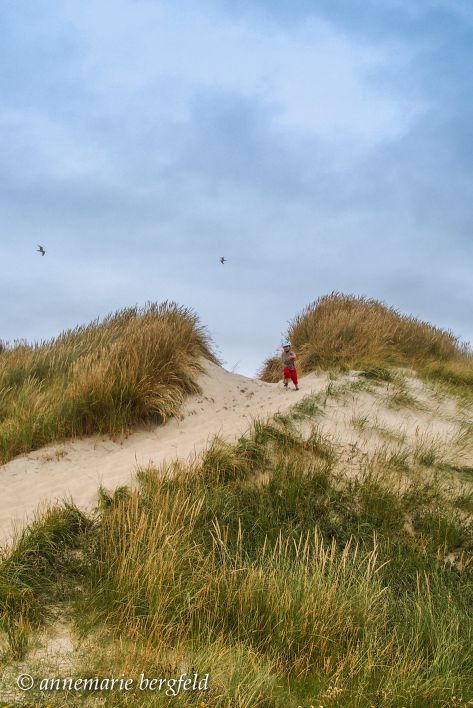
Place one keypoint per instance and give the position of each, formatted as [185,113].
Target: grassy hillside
[133,366]
[269,566]
[343,331]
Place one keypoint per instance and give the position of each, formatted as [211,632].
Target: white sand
[226,407]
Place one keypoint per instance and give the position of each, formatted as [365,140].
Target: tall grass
[290,583]
[40,566]
[134,365]
[264,545]
[356,332]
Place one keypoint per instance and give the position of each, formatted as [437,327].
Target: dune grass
[290,575]
[133,366]
[265,565]
[40,567]
[347,332]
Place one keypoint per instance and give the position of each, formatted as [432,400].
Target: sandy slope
[227,405]
[358,421]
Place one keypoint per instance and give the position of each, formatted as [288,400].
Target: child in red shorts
[288,358]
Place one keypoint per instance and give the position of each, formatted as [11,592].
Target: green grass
[134,366]
[462,469]
[291,572]
[377,373]
[427,456]
[41,566]
[360,422]
[395,436]
[399,397]
[310,407]
[266,566]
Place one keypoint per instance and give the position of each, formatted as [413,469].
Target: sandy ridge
[363,420]
[76,469]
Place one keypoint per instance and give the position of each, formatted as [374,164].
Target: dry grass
[264,565]
[263,562]
[133,366]
[348,332]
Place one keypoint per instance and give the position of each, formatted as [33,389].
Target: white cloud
[316,79]
[139,66]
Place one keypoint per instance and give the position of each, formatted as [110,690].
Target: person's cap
[286,343]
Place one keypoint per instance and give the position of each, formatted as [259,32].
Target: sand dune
[226,407]
[75,469]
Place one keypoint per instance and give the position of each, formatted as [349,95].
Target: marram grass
[347,332]
[264,565]
[133,366]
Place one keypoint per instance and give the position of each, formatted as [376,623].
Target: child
[288,358]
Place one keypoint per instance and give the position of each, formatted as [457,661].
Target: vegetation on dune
[37,571]
[348,332]
[293,570]
[266,566]
[133,366]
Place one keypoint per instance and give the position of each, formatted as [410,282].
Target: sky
[318,146]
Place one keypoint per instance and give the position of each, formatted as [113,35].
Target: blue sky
[318,146]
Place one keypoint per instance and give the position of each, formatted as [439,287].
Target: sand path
[361,419]
[76,469]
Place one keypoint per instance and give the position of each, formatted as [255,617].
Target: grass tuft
[134,366]
[36,567]
[346,332]
[267,566]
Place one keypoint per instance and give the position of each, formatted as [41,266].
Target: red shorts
[291,374]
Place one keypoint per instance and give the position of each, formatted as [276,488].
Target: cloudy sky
[319,146]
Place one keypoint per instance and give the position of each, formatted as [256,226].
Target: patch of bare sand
[358,417]
[367,418]
[75,470]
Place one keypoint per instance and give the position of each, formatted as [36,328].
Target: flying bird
[223,260]
[41,250]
